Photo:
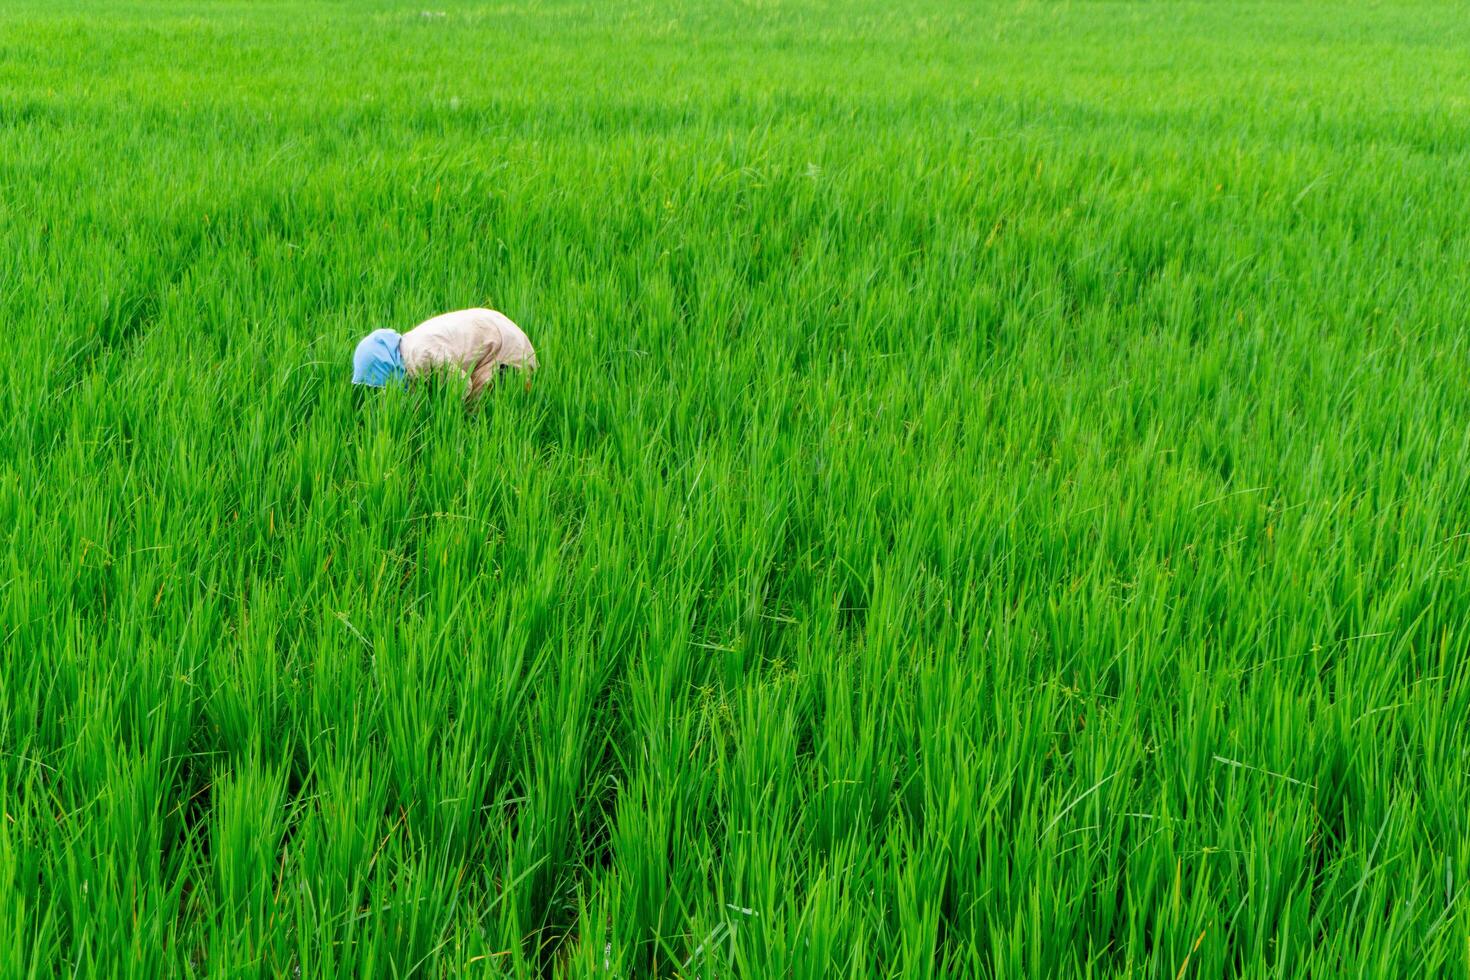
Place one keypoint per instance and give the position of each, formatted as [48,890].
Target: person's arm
[484,370]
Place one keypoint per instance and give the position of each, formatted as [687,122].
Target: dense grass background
[995,503]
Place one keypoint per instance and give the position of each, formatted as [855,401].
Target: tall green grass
[995,502]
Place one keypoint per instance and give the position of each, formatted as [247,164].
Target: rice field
[994,504]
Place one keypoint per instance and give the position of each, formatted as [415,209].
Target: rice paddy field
[994,503]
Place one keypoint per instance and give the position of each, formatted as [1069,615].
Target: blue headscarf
[377,359]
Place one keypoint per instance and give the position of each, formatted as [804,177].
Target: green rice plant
[993,504]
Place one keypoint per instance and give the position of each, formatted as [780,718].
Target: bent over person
[479,344]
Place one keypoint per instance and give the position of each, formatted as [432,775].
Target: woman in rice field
[479,344]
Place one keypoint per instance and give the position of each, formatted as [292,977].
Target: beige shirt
[460,339]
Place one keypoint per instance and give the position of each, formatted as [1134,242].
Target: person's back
[464,339]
